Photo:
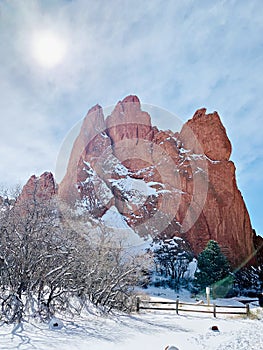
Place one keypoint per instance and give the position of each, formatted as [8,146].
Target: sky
[177,55]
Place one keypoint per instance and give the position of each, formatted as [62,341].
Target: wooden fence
[188,307]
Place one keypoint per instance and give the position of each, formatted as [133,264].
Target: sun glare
[48,48]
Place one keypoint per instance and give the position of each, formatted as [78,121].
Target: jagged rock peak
[209,134]
[201,112]
[128,111]
[92,127]
[131,98]
[42,186]
[94,109]
[128,121]
[94,121]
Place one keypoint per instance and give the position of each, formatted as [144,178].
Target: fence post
[137,304]
[177,306]
[247,309]
[207,290]
[214,309]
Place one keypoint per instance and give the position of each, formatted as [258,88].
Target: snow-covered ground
[148,330]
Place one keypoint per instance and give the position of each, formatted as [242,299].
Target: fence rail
[188,307]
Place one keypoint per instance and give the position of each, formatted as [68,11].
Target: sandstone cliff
[42,187]
[164,183]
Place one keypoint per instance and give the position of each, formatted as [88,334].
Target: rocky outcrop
[209,133]
[88,141]
[39,188]
[224,216]
[163,183]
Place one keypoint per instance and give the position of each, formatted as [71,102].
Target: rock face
[224,212]
[258,243]
[163,183]
[92,128]
[209,133]
[42,187]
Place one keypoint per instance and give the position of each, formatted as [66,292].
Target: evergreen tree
[214,268]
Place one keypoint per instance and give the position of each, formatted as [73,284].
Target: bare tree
[171,257]
[46,260]
[28,231]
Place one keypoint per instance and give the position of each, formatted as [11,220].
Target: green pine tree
[214,270]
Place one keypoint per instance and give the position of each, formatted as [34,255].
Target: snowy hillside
[146,330]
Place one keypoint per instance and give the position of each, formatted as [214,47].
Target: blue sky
[178,55]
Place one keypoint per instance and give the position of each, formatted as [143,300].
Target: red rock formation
[163,183]
[224,213]
[92,128]
[209,133]
[129,129]
[42,187]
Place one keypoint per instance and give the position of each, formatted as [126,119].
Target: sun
[48,48]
